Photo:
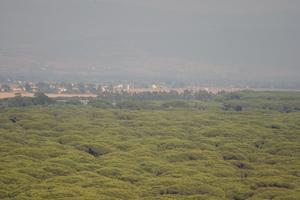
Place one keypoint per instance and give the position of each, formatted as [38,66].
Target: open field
[4,95]
[88,152]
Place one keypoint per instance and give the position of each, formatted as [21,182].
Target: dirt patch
[4,95]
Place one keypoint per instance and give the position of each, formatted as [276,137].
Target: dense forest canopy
[235,146]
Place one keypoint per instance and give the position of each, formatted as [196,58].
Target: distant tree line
[237,101]
[186,95]
[145,104]
[20,101]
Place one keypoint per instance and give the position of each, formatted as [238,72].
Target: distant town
[54,89]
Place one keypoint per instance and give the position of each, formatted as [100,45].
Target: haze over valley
[195,42]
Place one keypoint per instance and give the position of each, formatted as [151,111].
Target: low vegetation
[231,146]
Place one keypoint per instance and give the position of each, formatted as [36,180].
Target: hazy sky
[180,39]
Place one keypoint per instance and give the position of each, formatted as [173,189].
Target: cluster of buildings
[11,88]
[89,88]
[61,88]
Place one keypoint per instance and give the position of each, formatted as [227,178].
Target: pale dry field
[4,95]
